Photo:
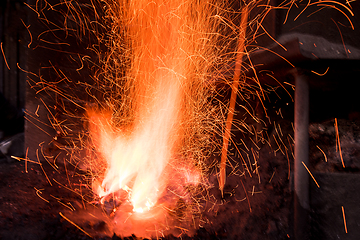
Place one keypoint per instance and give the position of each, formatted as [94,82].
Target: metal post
[301,176]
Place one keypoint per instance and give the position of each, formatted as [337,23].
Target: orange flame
[136,161]
[141,158]
[141,171]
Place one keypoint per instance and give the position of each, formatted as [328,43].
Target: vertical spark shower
[157,94]
[158,73]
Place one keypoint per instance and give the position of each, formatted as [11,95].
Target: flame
[136,162]
[141,158]
[141,170]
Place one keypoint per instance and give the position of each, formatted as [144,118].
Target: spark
[272,175]
[279,136]
[46,157]
[247,155]
[342,39]
[281,86]
[38,14]
[278,145]
[27,72]
[37,156]
[38,192]
[272,38]
[36,125]
[25,159]
[322,152]
[247,197]
[331,6]
[74,224]
[302,10]
[68,205]
[71,190]
[36,111]
[335,2]
[258,148]
[343,213]
[315,55]
[256,170]
[279,55]
[288,162]
[262,104]
[321,74]
[307,169]
[291,85]
[2,50]
[54,43]
[288,11]
[65,205]
[318,10]
[338,142]
[243,160]
[27,28]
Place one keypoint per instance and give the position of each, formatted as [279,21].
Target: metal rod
[301,176]
[234,91]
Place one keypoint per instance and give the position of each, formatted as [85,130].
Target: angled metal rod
[234,91]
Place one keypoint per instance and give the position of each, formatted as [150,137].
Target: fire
[152,113]
[145,169]
[136,161]
[142,174]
